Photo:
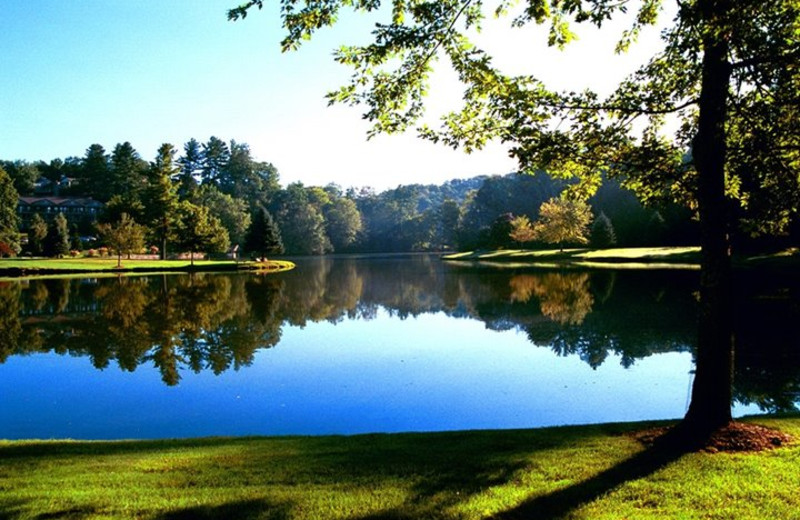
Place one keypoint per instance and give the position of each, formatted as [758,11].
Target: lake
[345,345]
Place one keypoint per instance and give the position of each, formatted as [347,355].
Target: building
[82,211]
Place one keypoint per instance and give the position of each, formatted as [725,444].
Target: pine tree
[603,235]
[56,243]
[37,232]
[264,237]
[9,222]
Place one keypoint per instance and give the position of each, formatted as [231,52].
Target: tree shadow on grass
[560,503]
[240,510]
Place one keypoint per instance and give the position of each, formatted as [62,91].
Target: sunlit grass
[463,475]
[627,258]
[109,264]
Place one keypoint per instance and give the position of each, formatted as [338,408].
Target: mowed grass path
[590,472]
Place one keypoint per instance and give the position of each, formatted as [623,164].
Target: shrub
[73,253]
[92,253]
[103,251]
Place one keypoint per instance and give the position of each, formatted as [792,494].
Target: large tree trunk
[710,406]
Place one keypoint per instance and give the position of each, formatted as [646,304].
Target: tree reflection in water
[217,322]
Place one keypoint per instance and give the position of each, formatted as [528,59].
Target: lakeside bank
[579,472]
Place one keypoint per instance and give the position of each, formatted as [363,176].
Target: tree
[563,221]
[23,174]
[264,237]
[232,212]
[124,236]
[161,197]
[200,231]
[37,232]
[56,243]
[95,173]
[9,222]
[342,222]
[301,222]
[216,155]
[191,165]
[603,235]
[127,173]
[727,73]
[522,230]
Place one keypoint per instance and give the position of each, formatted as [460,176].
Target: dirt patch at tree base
[735,437]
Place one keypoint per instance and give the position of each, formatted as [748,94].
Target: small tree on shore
[603,235]
[37,232]
[56,242]
[563,221]
[200,231]
[522,230]
[264,237]
[124,236]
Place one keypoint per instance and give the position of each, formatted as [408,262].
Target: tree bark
[710,406]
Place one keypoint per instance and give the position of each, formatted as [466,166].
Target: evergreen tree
[127,172]
[602,232]
[216,156]
[37,232]
[56,243]
[161,197]
[95,173]
[191,163]
[264,237]
[9,221]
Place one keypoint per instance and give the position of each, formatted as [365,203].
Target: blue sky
[78,72]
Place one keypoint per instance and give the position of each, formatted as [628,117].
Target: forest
[214,195]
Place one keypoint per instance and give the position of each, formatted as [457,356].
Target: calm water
[349,345]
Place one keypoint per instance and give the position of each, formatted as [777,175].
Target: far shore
[617,258]
[26,267]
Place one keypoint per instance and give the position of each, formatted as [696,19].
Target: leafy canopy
[643,132]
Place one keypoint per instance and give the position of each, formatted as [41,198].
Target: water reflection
[218,322]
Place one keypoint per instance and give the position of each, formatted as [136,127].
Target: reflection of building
[77,210]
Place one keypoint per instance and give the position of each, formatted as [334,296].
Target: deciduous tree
[727,72]
[562,222]
[200,231]
[522,230]
[124,236]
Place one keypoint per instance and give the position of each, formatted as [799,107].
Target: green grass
[632,258]
[29,266]
[590,472]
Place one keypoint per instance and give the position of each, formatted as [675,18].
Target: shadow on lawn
[559,504]
[242,510]
[439,472]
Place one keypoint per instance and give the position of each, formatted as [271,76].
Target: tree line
[215,194]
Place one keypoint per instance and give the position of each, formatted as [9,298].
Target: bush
[103,251]
[74,253]
[92,253]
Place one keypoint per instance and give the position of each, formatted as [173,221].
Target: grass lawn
[618,258]
[109,264]
[588,472]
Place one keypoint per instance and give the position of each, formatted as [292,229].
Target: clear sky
[78,72]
